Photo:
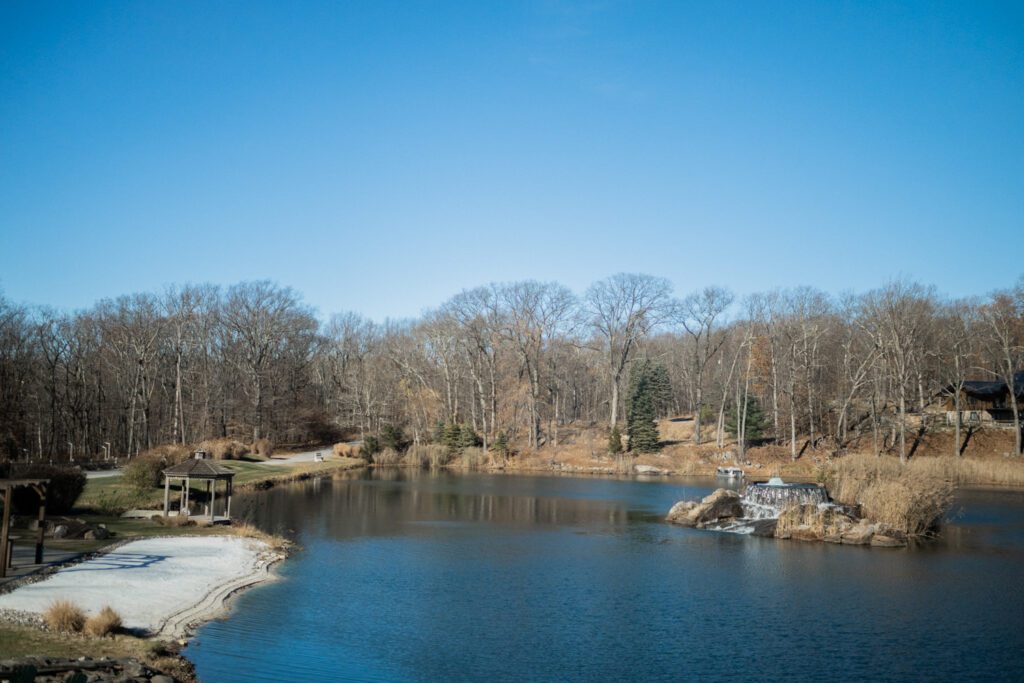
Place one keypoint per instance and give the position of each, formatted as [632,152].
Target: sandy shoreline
[160,586]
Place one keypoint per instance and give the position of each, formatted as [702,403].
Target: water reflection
[437,576]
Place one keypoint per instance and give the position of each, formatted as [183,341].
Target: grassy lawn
[105,495]
[22,641]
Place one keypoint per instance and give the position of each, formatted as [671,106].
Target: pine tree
[661,389]
[452,437]
[468,438]
[640,411]
[500,445]
[756,422]
[615,441]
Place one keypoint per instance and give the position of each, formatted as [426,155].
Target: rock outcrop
[720,506]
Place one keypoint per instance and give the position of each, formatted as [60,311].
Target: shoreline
[156,628]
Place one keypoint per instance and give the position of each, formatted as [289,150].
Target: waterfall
[772,497]
[763,502]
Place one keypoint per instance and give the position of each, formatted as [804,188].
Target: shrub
[175,521]
[66,485]
[143,472]
[64,616]
[615,441]
[370,448]
[392,437]
[346,450]
[106,623]
[224,449]
[263,448]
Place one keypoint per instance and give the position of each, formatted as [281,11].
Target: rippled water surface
[408,576]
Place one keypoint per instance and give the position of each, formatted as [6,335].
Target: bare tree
[698,313]
[622,310]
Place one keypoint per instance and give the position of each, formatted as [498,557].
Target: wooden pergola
[7,486]
[200,470]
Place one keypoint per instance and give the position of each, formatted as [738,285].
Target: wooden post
[41,490]
[167,494]
[5,531]
[188,491]
[181,501]
[228,512]
[213,500]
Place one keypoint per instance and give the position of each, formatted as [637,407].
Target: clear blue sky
[380,156]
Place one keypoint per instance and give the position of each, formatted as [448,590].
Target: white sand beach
[157,585]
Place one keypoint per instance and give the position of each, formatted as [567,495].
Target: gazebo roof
[199,469]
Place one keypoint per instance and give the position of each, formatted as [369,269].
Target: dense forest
[524,359]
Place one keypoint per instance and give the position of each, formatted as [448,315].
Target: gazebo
[8,486]
[199,469]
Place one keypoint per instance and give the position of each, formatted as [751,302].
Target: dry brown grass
[346,450]
[247,530]
[175,521]
[106,623]
[64,616]
[388,456]
[911,497]
[263,448]
[430,456]
[224,449]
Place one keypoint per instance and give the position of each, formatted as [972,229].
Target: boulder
[722,504]
[98,533]
[813,523]
[649,469]
[680,512]
[889,538]
[859,534]
[60,531]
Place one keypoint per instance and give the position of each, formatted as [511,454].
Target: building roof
[993,390]
[199,469]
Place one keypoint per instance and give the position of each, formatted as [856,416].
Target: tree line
[524,359]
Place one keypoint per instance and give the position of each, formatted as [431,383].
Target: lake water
[413,576]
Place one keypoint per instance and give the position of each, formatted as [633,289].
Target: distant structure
[200,469]
[984,402]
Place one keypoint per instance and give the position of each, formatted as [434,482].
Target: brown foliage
[64,616]
[910,498]
[263,448]
[224,449]
[346,450]
[106,623]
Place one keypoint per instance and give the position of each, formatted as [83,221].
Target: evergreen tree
[661,389]
[756,422]
[393,437]
[640,411]
[438,435]
[468,438]
[500,445]
[452,437]
[615,441]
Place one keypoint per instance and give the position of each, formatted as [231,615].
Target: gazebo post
[5,531]
[213,500]
[181,501]
[188,491]
[230,486]
[167,494]
[41,490]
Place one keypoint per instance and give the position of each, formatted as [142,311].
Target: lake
[418,576]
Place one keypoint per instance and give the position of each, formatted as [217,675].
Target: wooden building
[984,401]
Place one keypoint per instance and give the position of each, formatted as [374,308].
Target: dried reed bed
[908,497]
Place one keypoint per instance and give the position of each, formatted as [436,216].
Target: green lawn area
[106,495]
